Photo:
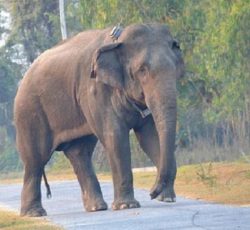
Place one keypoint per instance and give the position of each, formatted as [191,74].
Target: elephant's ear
[106,66]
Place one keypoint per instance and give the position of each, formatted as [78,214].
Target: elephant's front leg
[149,141]
[116,142]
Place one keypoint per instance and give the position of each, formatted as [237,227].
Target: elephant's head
[145,62]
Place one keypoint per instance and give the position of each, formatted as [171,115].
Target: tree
[33,26]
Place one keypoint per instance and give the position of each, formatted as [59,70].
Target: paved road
[65,208]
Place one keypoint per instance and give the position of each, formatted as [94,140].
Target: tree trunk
[62,20]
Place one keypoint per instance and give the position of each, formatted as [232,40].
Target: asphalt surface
[65,208]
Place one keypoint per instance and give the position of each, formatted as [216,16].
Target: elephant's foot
[95,205]
[125,204]
[167,195]
[157,189]
[34,211]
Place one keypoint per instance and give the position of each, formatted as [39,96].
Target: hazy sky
[4,22]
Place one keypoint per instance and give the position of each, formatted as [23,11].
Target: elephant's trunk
[163,107]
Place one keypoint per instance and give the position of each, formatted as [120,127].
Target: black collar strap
[144,112]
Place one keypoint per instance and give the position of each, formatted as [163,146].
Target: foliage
[100,14]
[8,80]
[34,27]
[214,98]
[9,160]
[206,175]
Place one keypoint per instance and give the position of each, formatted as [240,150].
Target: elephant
[99,85]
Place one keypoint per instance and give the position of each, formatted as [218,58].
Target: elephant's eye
[142,70]
[176,45]
[142,73]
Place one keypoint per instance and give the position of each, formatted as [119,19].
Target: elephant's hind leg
[31,194]
[79,153]
[31,204]
[33,152]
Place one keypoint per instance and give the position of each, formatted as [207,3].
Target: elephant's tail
[49,195]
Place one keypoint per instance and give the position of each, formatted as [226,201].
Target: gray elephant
[100,84]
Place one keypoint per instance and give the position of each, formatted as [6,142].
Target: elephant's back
[79,41]
[60,64]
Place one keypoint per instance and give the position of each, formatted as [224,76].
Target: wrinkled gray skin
[76,93]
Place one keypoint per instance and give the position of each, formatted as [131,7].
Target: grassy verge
[12,221]
[226,183]
[11,178]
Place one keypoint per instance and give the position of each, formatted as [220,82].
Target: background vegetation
[214,96]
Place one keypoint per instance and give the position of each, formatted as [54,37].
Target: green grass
[12,221]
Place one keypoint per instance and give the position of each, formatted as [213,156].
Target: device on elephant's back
[116,32]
